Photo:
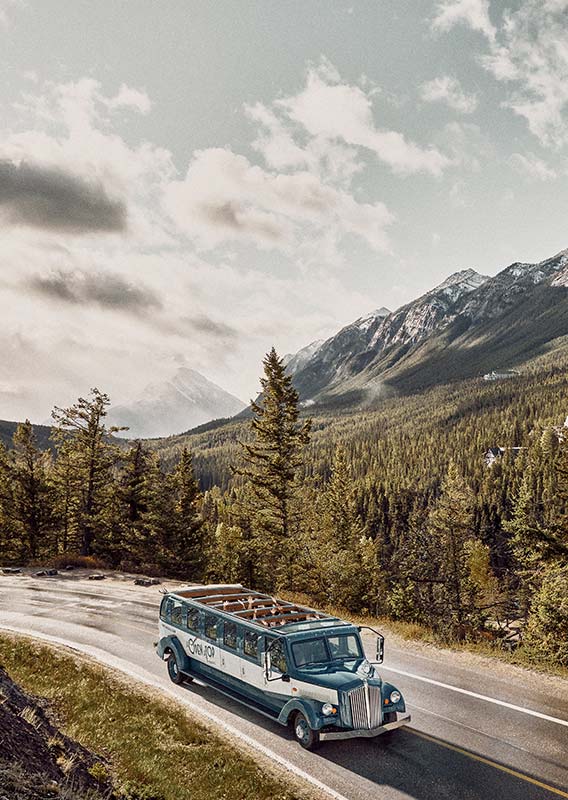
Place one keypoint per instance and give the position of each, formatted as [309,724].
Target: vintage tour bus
[301,667]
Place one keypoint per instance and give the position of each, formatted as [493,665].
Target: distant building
[500,376]
[493,454]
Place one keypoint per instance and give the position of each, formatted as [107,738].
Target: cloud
[106,290]
[128,97]
[532,167]
[202,323]
[528,53]
[224,197]
[278,143]
[334,111]
[447,89]
[53,199]
[5,8]
[474,13]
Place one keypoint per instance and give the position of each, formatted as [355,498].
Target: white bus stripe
[478,696]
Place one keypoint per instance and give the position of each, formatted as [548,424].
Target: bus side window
[176,612]
[277,655]
[230,635]
[210,627]
[250,644]
[166,608]
[192,619]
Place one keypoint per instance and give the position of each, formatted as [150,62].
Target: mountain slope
[41,432]
[325,366]
[186,400]
[466,326]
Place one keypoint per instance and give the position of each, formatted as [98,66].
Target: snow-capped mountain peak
[175,405]
[364,323]
[459,283]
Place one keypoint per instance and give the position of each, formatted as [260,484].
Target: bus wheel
[304,735]
[176,675]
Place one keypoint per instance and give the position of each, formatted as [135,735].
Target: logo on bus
[197,648]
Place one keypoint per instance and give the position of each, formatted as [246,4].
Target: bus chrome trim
[365,733]
[365,706]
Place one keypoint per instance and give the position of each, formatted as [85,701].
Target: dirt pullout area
[36,759]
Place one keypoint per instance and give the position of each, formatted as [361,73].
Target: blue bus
[296,665]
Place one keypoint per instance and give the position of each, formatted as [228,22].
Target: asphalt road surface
[477,731]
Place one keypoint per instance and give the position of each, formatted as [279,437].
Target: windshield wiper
[314,664]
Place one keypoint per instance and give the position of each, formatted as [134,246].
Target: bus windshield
[326,650]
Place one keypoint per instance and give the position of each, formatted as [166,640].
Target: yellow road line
[488,762]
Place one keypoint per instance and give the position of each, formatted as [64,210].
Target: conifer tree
[82,428]
[64,482]
[8,541]
[340,503]
[451,524]
[30,493]
[271,461]
[187,546]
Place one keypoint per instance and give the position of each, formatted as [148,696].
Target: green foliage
[269,465]
[546,636]
[390,510]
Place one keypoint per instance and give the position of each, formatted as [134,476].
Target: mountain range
[468,325]
[186,400]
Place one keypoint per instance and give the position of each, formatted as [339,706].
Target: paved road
[470,739]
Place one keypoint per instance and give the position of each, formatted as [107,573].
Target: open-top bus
[301,667]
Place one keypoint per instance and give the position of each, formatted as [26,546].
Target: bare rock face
[476,319]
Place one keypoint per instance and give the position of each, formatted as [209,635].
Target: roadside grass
[152,748]
[411,631]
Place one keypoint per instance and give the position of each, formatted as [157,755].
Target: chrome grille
[365,707]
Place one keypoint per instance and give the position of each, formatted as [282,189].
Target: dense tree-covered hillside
[396,510]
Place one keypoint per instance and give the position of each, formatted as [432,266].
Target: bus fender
[171,644]
[387,688]
[309,708]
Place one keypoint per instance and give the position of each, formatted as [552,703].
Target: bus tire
[174,671]
[303,733]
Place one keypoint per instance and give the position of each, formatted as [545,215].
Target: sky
[190,182]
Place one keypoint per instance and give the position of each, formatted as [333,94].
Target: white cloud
[334,111]
[447,89]
[6,7]
[474,13]
[117,310]
[528,53]
[532,167]
[224,198]
[128,97]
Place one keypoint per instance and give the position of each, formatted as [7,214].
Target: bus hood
[339,676]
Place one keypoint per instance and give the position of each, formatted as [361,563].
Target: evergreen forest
[398,510]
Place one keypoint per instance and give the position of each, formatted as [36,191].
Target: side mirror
[266,665]
[380,648]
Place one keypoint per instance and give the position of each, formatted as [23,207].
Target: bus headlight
[327,709]
[395,696]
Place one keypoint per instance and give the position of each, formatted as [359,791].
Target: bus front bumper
[368,733]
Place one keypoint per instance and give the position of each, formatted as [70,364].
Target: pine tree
[187,547]
[340,503]
[82,428]
[270,464]
[451,525]
[8,548]
[30,493]
[64,480]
